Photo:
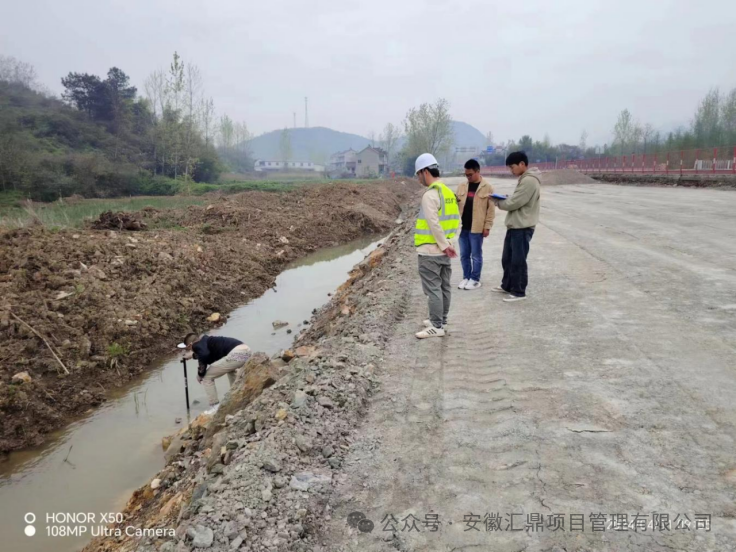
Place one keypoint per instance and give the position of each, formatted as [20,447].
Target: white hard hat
[423,161]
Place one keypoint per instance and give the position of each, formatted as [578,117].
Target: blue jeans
[471,255]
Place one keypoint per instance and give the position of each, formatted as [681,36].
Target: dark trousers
[513,260]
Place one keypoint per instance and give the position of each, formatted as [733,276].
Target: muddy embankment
[259,475]
[84,311]
[687,181]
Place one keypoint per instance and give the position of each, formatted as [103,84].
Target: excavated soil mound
[102,303]
[118,221]
[565,176]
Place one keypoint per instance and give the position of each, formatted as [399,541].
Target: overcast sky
[529,67]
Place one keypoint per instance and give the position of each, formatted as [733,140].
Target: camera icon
[30,519]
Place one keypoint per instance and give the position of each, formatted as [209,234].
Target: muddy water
[94,464]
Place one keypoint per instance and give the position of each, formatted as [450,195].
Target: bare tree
[623,131]
[242,140]
[637,134]
[18,72]
[429,129]
[647,135]
[175,92]
[707,122]
[207,109]
[388,140]
[227,133]
[583,141]
[155,87]
[193,91]
[728,117]
[157,93]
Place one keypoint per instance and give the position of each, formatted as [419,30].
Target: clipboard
[498,196]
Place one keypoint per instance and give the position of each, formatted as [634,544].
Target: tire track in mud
[584,399]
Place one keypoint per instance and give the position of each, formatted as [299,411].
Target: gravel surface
[609,391]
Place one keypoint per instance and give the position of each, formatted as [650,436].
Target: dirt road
[609,392]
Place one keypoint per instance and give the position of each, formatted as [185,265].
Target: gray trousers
[435,273]
[228,365]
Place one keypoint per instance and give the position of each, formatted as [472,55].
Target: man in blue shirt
[217,356]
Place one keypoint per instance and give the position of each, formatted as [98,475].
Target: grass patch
[10,204]
[65,214]
[116,350]
[267,185]
[16,212]
[272,176]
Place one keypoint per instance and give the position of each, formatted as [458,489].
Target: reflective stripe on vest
[449,217]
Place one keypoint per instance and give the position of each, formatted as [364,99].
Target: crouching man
[217,356]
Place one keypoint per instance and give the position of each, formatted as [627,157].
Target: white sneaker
[212,409]
[463,284]
[472,284]
[428,324]
[513,299]
[499,289]
[430,332]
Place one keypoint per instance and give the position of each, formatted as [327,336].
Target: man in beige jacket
[521,219]
[477,219]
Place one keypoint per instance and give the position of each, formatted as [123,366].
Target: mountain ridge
[316,144]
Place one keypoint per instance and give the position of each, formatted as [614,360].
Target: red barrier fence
[696,161]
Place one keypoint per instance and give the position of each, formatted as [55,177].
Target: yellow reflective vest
[449,215]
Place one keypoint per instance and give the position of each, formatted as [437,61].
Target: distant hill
[318,143]
[467,135]
[307,144]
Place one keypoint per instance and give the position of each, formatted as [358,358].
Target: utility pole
[306,113]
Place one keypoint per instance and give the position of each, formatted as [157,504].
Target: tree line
[104,138]
[712,125]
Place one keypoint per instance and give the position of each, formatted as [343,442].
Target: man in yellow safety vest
[437,225]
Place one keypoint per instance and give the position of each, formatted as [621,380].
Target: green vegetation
[257,185]
[116,350]
[114,353]
[267,185]
[276,176]
[73,213]
[15,211]
[104,140]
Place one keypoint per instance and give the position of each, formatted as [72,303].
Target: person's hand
[486,232]
[188,355]
[199,379]
[450,252]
